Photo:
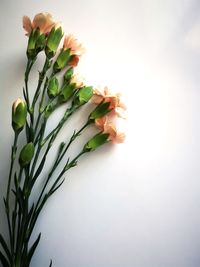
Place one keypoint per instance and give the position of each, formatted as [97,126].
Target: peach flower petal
[114,99]
[100,122]
[70,42]
[27,24]
[110,128]
[74,61]
[43,21]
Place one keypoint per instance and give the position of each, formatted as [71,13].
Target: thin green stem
[42,74]
[29,65]
[7,204]
[40,105]
[67,114]
[15,208]
[53,188]
[59,158]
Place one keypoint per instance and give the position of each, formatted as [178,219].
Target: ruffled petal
[27,24]
[100,122]
[44,22]
[120,138]
[74,61]
[97,99]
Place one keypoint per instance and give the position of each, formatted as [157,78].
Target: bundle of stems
[31,115]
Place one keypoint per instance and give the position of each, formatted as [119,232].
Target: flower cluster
[116,107]
[32,113]
[69,55]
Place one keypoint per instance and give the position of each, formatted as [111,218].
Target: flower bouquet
[57,85]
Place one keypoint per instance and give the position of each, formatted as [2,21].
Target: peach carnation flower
[115,102]
[114,135]
[76,49]
[108,127]
[43,21]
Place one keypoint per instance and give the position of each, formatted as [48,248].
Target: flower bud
[66,93]
[31,49]
[53,41]
[101,110]
[68,74]
[53,87]
[96,141]
[61,60]
[83,96]
[19,113]
[26,154]
[77,80]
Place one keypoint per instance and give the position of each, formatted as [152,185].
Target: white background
[136,204]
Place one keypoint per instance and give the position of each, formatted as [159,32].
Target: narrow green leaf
[39,169]
[32,249]
[56,188]
[5,247]
[3,260]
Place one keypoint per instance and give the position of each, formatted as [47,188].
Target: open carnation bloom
[108,127]
[115,102]
[76,49]
[114,135]
[70,42]
[43,21]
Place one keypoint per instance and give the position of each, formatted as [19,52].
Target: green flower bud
[19,113]
[53,87]
[66,92]
[83,96]
[101,110]
[31,49]
[62,60]
[53,41]
[26,154]
[96,141]
[36,43]
[68,74]
[40,44]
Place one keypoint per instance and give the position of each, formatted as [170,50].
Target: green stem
[59,158]
[15,208]
[26,76]
[53,188]
[42,74]
[38,149]
[56,130]
[23,226]
[13,156]
[40,105]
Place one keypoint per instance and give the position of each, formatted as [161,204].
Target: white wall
[137,204]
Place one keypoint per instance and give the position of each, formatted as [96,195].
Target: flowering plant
[31,115]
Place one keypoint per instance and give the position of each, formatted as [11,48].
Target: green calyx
[26,154]
[53,87]
[83,96]
[53,41]
[96,141]
[19,113]
[66,92]
[62,60]
[36,43]
[101,110]
[68,75]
